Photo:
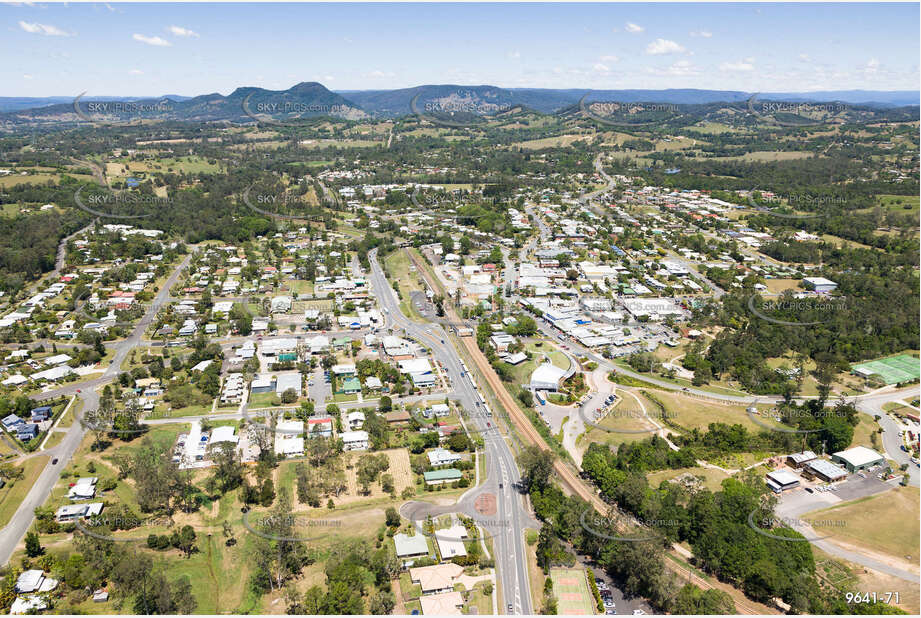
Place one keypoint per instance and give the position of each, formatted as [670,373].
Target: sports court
[571,591]
[894,369]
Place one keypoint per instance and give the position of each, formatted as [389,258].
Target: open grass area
[14,492]
[849,577]
[885,522]
[691,412]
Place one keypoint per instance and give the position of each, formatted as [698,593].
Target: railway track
[569,478]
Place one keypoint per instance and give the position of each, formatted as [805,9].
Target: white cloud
[514,54]
[135,72]
[872,66]
[601,68]
[633,28]
[610,59]
[804,57]
[660,47]
[681,68]
[742,65]
[180,31]
[380,74]
[152,40]
[44,29]
[704,34]
[27,76]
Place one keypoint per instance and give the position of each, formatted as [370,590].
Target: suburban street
[511,518]
[13,532]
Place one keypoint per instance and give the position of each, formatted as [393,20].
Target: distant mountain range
[311,99]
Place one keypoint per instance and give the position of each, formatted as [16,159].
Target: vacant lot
[885,523]
[399,469]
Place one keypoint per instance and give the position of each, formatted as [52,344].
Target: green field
[571,591]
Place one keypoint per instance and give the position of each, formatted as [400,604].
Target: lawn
[885,522]
[12,495]
[571,591]
[263,400]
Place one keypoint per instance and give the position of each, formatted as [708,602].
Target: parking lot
[796,502]
[613,598]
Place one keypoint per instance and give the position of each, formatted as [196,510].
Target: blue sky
[190,49]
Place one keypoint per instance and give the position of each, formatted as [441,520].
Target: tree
[228,471]
[289,396]
[385,404]
[33,545]
[536,467]
[393,517]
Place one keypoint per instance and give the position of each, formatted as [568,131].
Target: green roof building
[437,477]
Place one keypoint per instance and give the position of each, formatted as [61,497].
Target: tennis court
[894,369]
[571,591]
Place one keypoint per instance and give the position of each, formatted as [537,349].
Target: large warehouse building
[858,458]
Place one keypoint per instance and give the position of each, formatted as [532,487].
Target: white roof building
[547,377]
[450,541]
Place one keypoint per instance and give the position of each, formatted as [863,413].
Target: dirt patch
[399,469]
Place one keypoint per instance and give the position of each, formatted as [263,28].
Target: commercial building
[547,377]
[782,480]
[798,460]
[819,284]
[858,458]
[825,470]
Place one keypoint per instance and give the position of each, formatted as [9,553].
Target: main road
[13,532]
[511,519]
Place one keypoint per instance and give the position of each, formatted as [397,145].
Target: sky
[190,49]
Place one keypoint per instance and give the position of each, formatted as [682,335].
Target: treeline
[724,531]
[870,316]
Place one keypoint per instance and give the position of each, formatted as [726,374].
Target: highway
[511,519]
[13,532]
